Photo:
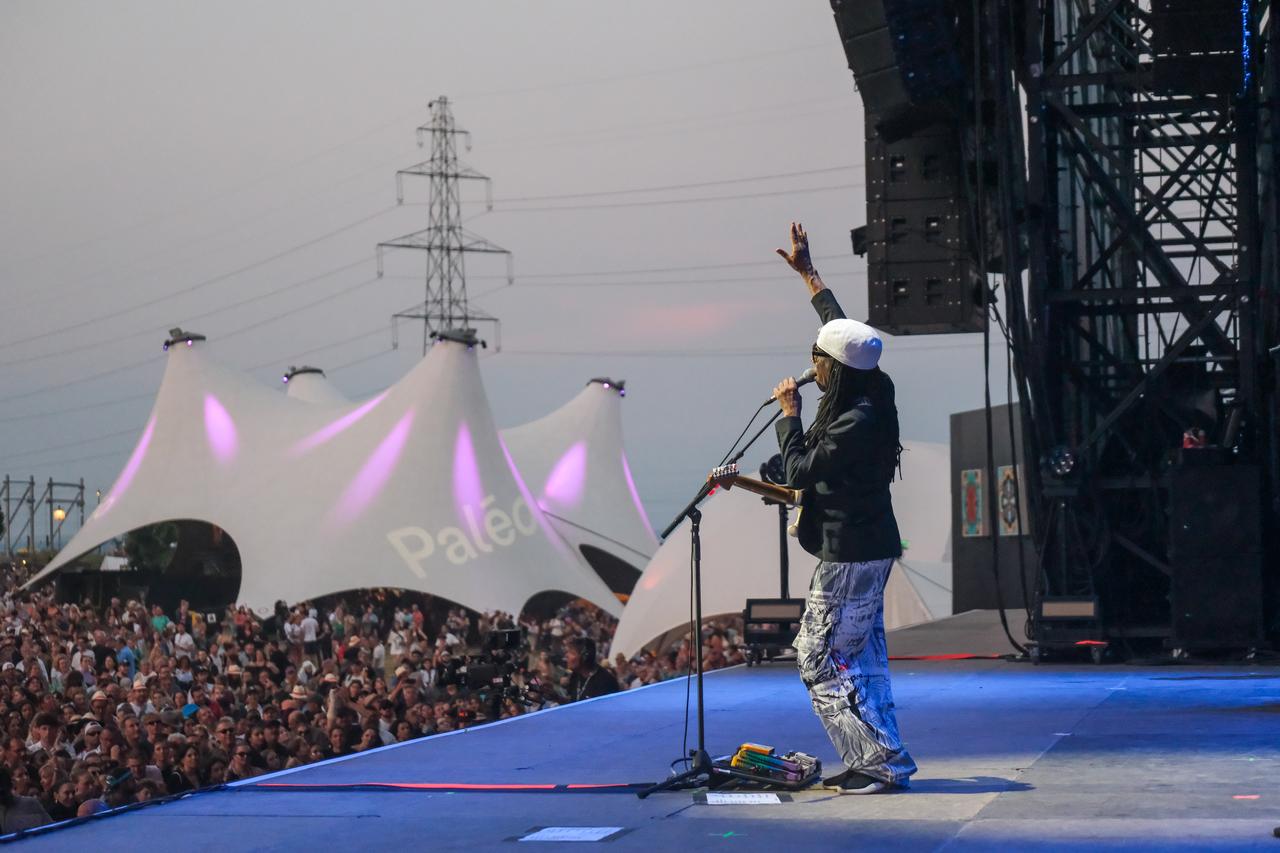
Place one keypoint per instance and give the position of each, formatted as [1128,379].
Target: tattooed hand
[788,397]
[798,259]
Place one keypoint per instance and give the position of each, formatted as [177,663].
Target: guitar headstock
[725,475]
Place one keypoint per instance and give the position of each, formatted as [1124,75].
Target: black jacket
[847,514]
[601,682]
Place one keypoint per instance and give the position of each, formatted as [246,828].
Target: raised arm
[800,261]
[824,301]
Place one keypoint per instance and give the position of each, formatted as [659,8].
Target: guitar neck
[781,494]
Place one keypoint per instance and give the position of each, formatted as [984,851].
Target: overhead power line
[656,72]
[298,308]
[683,124]
[203,201]
[78,459]
[275,362]
[80,381]
[73,409]
[198,285]
[266,320]
[9,457]
[771,261]
[358,361]
[788,349]
[688,282]
[138,306]
[678,201]
[189,318]
[685,186]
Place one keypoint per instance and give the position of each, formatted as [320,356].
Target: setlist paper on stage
[720,798]
[572,833]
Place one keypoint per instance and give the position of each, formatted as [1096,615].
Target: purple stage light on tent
[468,490]
[375,472]
[220,429]
[130,469]
[335,428]
[635,495]
[568,479]
[554,538]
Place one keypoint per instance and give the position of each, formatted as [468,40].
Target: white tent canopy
[310,385]
[740,558]
[409,489]
[574,463]
[922,504]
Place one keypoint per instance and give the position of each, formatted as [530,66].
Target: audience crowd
[121,703]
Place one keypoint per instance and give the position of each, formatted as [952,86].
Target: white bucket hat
[851,343]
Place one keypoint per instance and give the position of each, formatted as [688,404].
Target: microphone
[803,379]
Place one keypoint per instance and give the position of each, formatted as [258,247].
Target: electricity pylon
[445,307]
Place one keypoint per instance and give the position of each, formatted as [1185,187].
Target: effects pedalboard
[761,765]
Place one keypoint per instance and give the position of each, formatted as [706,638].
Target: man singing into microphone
[844,463]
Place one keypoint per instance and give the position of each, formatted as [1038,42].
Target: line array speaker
[922,275]
[904,58]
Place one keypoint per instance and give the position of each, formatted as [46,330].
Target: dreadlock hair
[847,386]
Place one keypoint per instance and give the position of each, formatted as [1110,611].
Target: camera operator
[491,675]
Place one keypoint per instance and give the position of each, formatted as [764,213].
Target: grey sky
[152,150]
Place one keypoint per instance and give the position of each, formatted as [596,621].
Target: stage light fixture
[619,384]
[177,335]
[294,371]
[1060,461]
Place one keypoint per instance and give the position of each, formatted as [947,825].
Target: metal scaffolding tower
[1122,154]
[445,241]
[23,507]
[1152,315]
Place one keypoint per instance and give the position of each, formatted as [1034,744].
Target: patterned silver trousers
[844,662]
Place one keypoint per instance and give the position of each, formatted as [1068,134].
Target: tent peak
[620,385]
[460,336]
[297,371]
[178,336]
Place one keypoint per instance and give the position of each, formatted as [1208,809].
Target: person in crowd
[185,776]
[586,678]
[18,812]
[121,788]
[239,768]
[63,805]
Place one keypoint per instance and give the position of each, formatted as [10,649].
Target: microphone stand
[700,764]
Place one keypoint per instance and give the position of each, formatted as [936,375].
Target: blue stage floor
[1011,756]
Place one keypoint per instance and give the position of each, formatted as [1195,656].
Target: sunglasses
[817,354]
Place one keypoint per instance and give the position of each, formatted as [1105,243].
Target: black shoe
[853,782]
[833,782]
